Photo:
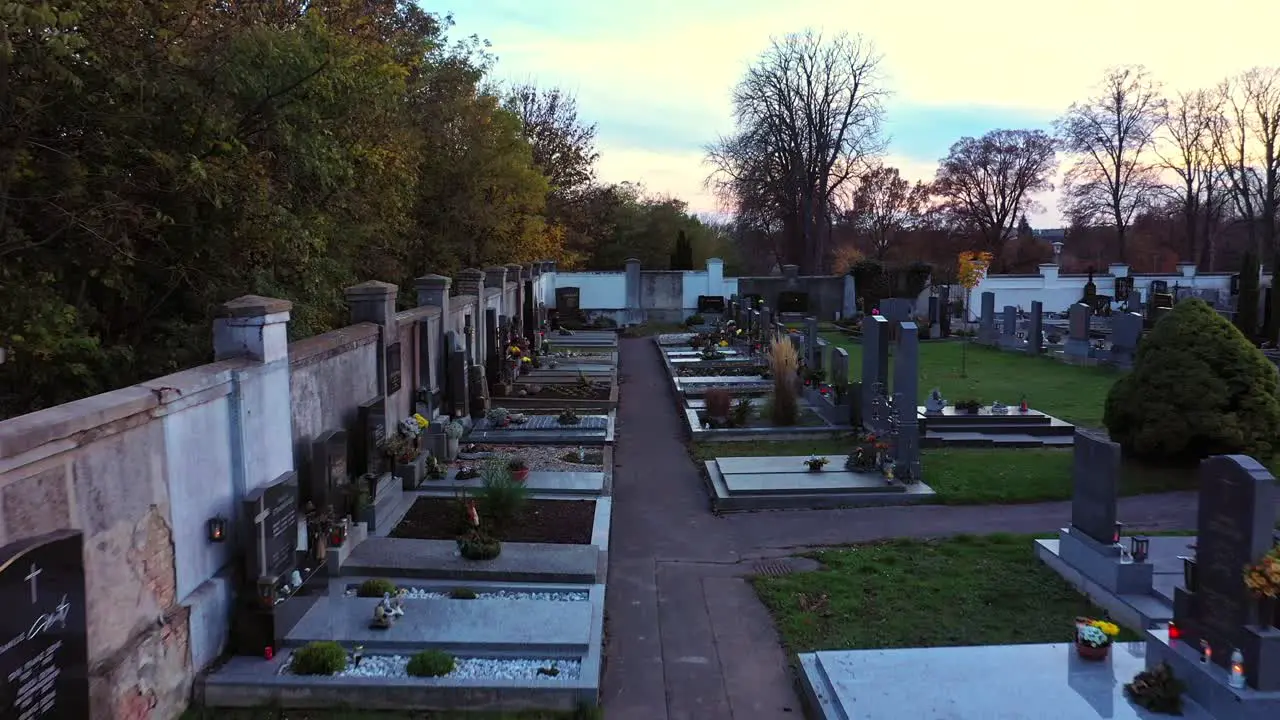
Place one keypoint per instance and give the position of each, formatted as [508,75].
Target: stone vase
[451,448]
[412,472]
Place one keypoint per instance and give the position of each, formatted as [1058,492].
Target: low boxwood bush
[431,663]
[323,657]
[376,588]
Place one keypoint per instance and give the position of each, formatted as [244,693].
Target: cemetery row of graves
[778,423]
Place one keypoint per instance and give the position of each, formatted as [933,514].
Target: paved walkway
[687,639]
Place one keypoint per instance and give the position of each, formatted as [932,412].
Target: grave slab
[535,627]
[782,483]
[539,482]
[1047,682]
[439,559]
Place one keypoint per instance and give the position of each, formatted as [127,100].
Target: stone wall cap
[471,272]
[253,306]
[496,269]
[372,287]
[432,280]
[630,260]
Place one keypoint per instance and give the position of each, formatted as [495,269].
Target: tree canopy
[160,158]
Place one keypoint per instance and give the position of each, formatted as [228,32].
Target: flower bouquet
[815,463]
[1263,581]
[1094,638]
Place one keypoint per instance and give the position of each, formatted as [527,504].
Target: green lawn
[271,714]
[1073,393]
[978,476]
[930,593]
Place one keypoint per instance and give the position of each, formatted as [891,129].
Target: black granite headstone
[329,474]
[394,378]
[793,302]
[271,514]
[711,304]
[1095,479]
[568,300]
[372,419]
[44,658]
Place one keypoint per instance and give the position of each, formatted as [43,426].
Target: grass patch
[978,476]
[1070,392]
[649,329]
[276,714]
[925,593]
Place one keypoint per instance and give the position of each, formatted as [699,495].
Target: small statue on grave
[383,617]
[397,603]
[935,402]
[999,408]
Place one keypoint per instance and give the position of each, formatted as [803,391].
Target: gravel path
[539,457]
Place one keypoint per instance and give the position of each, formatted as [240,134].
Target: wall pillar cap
[371,288]
[249,306]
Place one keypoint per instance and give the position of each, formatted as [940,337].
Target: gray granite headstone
[987,321]
[840,369]
[1035,330]
[1237,514]
[271,515]
[456,376]
[906,387]
[1078,331]
[875,359]
[896,310]
[1009,328]
[1095,482]
[766,324]
[1126,331]
[820,350]
[811,341]
[371,418]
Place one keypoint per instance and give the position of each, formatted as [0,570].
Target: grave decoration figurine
[867,455]
[999,408]
[383,615]
[397,603]
[467,472]
[935,402]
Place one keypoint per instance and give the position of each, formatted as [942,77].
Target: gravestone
[455,375]
[797,343]
[44,657]
[896,310]
[395,379]
[1009,329]
[906,388]
[793,302]
[708,304]
[568,301]
[1126,331]
[1124,287]
[1159,286]
[811,341]
[753,323]
[1035,330]
[820,363]
[426,401]
[271,521]
[371,419]
[1235,528]
[944,313]
[935,317]
[766,324]
[528,321]
[329,473]
[1095,486]
[840,371]
[875,359]
[1078,331]
[987,321]
[493,354]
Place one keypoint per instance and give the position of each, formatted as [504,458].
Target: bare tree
[985,183]
[563,147]
[1112,134]
[1247,141]
[808,116]
[1187,151]
[884,204]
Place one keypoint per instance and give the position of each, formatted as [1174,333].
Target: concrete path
[686,637]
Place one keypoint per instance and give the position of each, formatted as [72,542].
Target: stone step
[534,628]
[439,559]
[997,429]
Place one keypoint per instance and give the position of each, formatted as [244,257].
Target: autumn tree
[808,117]
[986,183]
[1110,136]
[883,204]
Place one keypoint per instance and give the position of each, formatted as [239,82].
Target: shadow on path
[687,638]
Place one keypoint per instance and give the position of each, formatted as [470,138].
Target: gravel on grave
[393,666]
[417,593]
[542,458]
[557,522]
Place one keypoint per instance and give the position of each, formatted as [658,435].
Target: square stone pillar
[375,302]
[634,314]
[252,326]
[469,282]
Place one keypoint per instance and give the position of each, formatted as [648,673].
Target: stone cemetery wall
[141,471]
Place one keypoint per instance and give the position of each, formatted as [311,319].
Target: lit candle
[1237,670]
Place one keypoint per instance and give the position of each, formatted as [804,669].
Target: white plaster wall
[197,446]
[266,423]
[598,290]
[1058,293]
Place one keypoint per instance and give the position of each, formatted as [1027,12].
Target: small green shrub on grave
[323,657]
[376,588]
[431,663]
[1198,388]
[462,594]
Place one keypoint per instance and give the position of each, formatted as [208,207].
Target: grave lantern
[1139,547]
[267,591]
[1189,573]
[337,534]
[1174,632]
[1115,533]
[217,529]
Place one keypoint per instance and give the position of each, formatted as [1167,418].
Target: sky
[655,76]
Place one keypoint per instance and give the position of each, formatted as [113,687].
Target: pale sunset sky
[655,75]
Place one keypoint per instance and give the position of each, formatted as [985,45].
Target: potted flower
[518,468]
[1094,638]
[452,434]
[526,366]
[816,463]
[436,470]
[1263,581]
[568,416]
[498,417]
[971,406]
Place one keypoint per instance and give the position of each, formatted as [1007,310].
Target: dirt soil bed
[559,522]
[549,458]
[564,392]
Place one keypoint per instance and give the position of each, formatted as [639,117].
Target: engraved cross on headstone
[260,522]
[31,578]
